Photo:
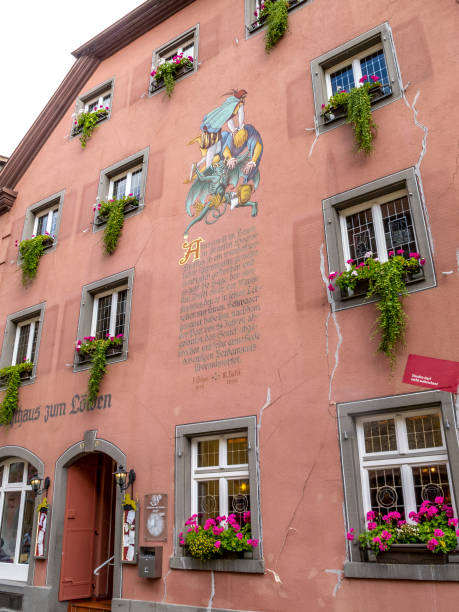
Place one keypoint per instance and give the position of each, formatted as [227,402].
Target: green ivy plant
[275,14]
[86,123]
[30,251]
[113,213]
[167,71]
[12,376]
[97,351]
[387,281]
[357,106]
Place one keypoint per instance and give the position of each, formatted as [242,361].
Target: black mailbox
[151,561]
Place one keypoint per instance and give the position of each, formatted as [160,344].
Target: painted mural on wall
[227,173]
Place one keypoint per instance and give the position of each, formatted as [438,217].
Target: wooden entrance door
[79,529]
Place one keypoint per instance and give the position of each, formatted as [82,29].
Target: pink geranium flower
[363,79]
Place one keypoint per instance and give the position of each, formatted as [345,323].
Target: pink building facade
[242,383]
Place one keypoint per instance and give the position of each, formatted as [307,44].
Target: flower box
[112,351]
[376,93]
[48,242]
[416,554]
[26,375]
[157,85]
[361,287]
[128,207]
[259,23]
[77,129]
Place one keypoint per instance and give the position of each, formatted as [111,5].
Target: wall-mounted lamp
[35,483]
[123,478]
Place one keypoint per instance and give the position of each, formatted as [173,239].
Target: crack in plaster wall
[165,585]
[212,591]
[339,579]
[275,575]
[316,130]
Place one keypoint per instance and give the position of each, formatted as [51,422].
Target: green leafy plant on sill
[387,281]
[217,536]
[275,14]
[433,525]
[129,503]
[167,70]
[12,376]
[30,251]
[113,213]
[357,106]
[87,123]
[97,351]
[43,506]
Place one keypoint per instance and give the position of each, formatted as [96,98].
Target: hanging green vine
[87,123]
[387,281]
[97,351]
[113,213]
[12,376]
[30,251]
[167,71]
[275,14]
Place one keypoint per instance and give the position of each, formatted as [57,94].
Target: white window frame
[16,570]
[126,173]
[113,308]
[32,322]
[375,206]
[223,472]
[49,213]
[353,61]
[99,100]
[403,458]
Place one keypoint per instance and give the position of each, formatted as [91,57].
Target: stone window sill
[245,566]
[397,571]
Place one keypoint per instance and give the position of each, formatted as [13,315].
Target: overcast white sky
[36,42]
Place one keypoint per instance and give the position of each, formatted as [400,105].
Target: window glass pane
[380,436]
[342,79]
[208,453]
[135,183]
[120,312]
[34,341]
[208,500]
[16,473]
[431,481]
[238,497]
[361,234]
[376,64]
[106,100]
[41,224]
[92,106]
[27,522]
[10,518]
[103,316]
[22,344]
[119,188]
[237,451]
[52,230]
[424,431]
[386,491]
[398,226]
[188,50]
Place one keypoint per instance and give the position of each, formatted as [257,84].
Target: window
[17,503]
[342,68]
[44,218]
[105,309]
[252,12]
[216,474]
[22,338]
[100,96]
[381,216]
[396,452]
[186,43]
[121,179]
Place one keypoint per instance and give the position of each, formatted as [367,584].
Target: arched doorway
[89,529]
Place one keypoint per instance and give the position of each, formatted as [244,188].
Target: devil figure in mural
[227,173]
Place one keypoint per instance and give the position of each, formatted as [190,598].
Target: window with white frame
[17,503]
[102,100]
[128,182]
[220,476]
[186,44]
[216,475]
[43,218]
[46,221]
[109,313]
[105,309]
[372,53]
[25,342]
[396,452]
[403,461]
[380,217]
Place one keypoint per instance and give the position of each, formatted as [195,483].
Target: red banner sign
[432,373]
